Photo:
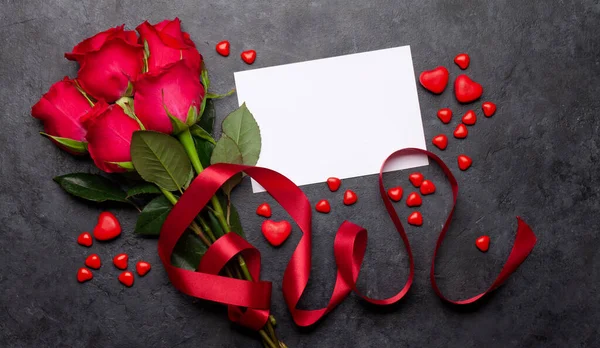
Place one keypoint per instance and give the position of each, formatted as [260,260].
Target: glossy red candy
[120,261]
[427,187]
[461,131]
[108,227]
[435,80]
[413,200]
[142,267]
[223,48]
[249,56]
[488,108]
[323,206]
[464,162]
[415,219]
[395,193]
[466,90]
[126,278]
[445,115]
[85,239]
[350,197]
[276,232]
[469,118]
[333,184]
[441,141]
[416,179]
[264,210]
[462,60]
[84,274]
[93,261]
[483,243]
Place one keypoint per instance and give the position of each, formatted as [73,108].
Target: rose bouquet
[140,106]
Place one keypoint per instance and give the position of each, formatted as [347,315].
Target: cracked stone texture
[537,158]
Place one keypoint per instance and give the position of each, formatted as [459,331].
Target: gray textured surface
[537,157]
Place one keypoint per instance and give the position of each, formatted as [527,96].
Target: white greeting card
[339,116]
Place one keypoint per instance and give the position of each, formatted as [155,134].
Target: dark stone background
[537,158]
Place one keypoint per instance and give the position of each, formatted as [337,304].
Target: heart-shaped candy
[323,206]
[249,56]
[350,197]
[435,80]
[85,239]
[483,243]
[84,274]
[395,193]
[488,108]
[415,219]
[441,141]
[93,261]
[120,261]
[464,162]
[445,115]
[427,187]
[462,60]
[466,90]
[461,132]
[108,227]
[333,184]
[142,267]
[223,48]
[264,210]
[126,278]
[469,118]
[276,232]
[414,200]
[416,179]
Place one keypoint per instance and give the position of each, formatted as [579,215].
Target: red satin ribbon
[349,249]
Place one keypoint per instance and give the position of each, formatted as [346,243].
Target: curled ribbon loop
[349,249]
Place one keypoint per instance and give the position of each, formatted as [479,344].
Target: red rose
[106,73]
[168,44]
[174,88]
[109,132]
[61,109]
[95,42]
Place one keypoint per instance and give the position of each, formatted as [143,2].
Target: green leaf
[241,127]
[124,165]
[219,96]
[226,151]
[204,149]
[161,159]
[207,116]
[188,251]
[142,189]
[199,132]
[234,217]
[153,216]
[73,145]
[92,187]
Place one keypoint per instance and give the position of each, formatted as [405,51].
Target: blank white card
[339,116]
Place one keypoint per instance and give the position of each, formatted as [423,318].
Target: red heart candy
[85,239]
[461,131]
[416,179]
[334,184]
[415,219]
[445,115]
[93,261]
[126,278]
[264,210]
[276,232]
[464,162]
[414,200]
[323,206]
[108,227]
[84,274]
[483,243]
[395,193]
[488,108]
[462,60]
[441,141]
[249,56]
[466,90]
[223,48]
[469,118]
[121,260]
[435,80]
[427,187]
[142,267]
[350,197]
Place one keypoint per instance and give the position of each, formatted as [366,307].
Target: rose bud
[61,109]
[109,132]
[167,97]
[168,44]
[95,42]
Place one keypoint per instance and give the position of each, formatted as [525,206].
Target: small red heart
[85,239]
[445,115]
[427,187]
[488,108]
[461,131]
[395,193]
[108,227]
[435,80]
[84,274]
[323,206]
[126,278]
[466,90]
[264,210]
[142,267]
[120,261]
[223,48]
[464,162]
[462,60]
[469,118]
[415,219]
[483,243]
[249,56]
[416,179]
[276,232]
[93,261]
[441,141]
[334,184]
[350,197]
[414,200]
